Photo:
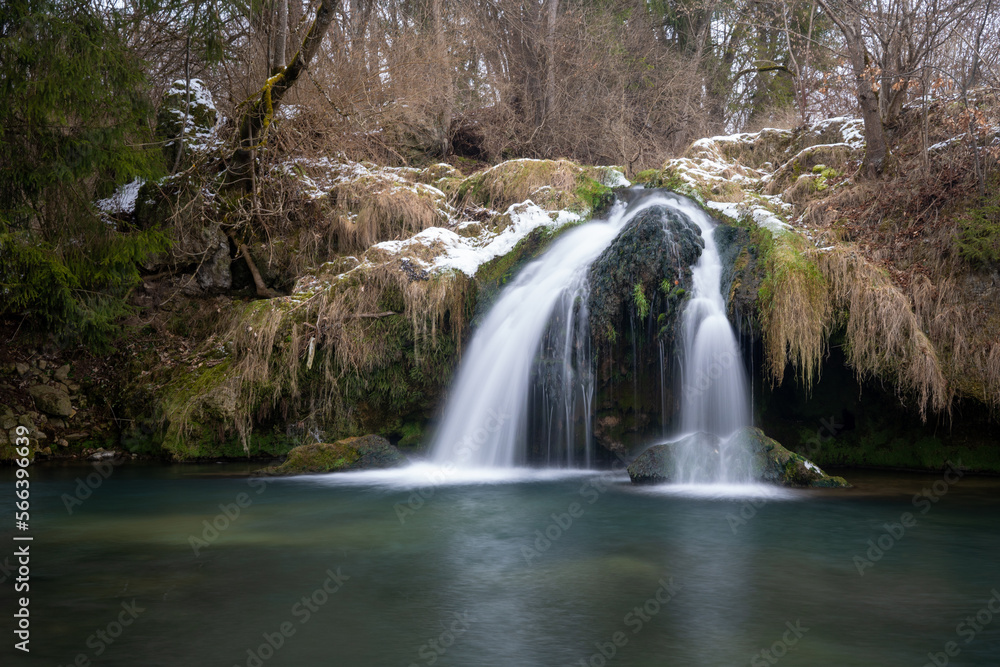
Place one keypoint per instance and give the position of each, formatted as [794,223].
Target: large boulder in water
[361,453]
[659,463]
[770,462]
[773,463]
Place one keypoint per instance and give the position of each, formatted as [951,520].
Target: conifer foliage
[73,123]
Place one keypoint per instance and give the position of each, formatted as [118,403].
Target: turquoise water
[422,574]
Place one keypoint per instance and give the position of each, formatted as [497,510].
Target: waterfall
[713,382]
[484,422]
[533,347]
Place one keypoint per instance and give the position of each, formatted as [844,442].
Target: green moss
[641,303]
[979,234]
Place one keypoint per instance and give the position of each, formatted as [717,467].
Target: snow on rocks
[122,201]
[467,254]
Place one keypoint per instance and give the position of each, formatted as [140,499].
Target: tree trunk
[281,34]
[257,118]
[550,57]
[876,147]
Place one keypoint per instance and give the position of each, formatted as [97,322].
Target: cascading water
[534,346]
[713,382]
[485,418]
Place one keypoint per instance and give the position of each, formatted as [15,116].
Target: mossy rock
[775,464]
[771,463]
[654,251]
[360,453]
[658,464]
[187,110]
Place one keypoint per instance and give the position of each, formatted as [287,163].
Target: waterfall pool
[519,568]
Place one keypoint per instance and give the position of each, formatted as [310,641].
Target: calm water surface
[464,574]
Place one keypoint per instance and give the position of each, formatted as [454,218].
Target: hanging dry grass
[371,210]
[277,343]
[884,335]
[796,312]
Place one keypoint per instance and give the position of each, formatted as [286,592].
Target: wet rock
[773,463]
[770,462]
[102,455]
[658,464]
[369,451]
[51,401]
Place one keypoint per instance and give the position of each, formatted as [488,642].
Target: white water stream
[484,422]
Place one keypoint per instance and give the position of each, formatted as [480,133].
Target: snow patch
[468,254]
[122,201]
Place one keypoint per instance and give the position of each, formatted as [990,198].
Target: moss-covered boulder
[52,401]
[770,462]
[775,464]
[659,463]
[638,287]
[361,453]
[187,115]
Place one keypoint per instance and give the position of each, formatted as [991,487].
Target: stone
[769,461]
[63,442]
[365,452]
[22,368]
[76,437]
[51,400]
[42,364]
[62,373]
[186,110]
[658,464]
[773,463]
[102,455]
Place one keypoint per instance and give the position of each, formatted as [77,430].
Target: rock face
[51,401]
[771,462]
[365,452]
[638,288]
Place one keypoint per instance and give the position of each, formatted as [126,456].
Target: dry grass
[796,312]
[884,336]
[368,211]
[277,343]
[516,180]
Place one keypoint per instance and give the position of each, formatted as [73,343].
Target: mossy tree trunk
[257,118]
